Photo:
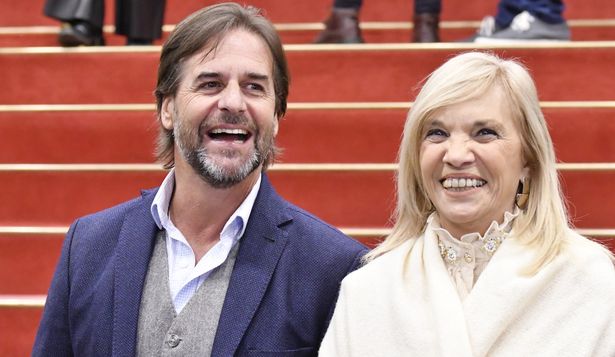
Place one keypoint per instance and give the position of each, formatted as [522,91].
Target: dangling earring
[523,193]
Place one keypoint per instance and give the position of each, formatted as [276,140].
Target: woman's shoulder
[382,266]
[590,257]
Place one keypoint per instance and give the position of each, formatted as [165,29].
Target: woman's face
[471,162]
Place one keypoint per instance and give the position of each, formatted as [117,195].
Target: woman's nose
[458,152]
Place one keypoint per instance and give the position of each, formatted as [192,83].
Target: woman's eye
[487,132]
[435,133]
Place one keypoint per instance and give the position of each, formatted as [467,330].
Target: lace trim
[490,241]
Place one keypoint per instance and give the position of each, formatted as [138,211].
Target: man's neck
[200,211]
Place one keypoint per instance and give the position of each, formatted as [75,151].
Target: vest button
[173,341]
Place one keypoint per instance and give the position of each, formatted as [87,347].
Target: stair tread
[57,137]
[124,76]
[29,12]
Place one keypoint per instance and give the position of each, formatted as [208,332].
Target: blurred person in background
[82,21]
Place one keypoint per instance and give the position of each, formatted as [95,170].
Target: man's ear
[276,124]
[167,113]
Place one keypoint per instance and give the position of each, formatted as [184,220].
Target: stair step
[29,201]
[306,135]
[298,33]
[18,334]
[335,73]
[34,257]
[30,12]
[44,251]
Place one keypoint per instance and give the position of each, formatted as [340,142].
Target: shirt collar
[489,242]
[160,206]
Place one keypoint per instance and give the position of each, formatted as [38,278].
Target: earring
[523,193]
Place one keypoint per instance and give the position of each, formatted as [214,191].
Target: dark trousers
[137,19]
[420,6]
[549,11]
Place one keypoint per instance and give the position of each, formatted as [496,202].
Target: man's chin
[227,174]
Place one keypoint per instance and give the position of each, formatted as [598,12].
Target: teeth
[230,131]
[462,182]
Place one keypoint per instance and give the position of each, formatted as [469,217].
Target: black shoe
[138,42]
[80,34]
[342,26]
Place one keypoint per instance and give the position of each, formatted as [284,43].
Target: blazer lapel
[134,249]
[261,247]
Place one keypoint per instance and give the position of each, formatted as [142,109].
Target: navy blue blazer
[279,302]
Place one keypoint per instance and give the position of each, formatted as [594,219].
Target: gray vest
[161,331]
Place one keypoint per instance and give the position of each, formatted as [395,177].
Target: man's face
[223,115]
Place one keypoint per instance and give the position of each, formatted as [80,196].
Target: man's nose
[232,99]
[459,152]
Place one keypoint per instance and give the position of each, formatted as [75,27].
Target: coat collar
[259,252]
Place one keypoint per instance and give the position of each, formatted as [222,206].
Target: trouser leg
[426,21]
[90,11]
[346,4]
[427,6]
[549,11]
[139,19]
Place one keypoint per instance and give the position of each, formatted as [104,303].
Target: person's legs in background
[426,21]
[526,20]
[82,21]
[342,26]
[139,20]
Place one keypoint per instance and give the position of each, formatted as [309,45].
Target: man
[214,262]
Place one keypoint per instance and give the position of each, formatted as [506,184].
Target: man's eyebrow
[257,76]
[207,75]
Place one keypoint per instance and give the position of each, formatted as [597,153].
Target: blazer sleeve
[53,336]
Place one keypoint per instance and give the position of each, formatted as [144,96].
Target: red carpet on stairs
[88,114]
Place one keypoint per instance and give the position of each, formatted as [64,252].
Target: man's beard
[189,141]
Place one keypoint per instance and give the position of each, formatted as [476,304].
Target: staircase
[77,126]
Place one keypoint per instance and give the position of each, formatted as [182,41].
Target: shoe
[525,27]
[426,28]
[487,28]
[342,26]
[80,34]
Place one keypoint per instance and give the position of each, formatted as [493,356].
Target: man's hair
[206,28]
[544,223]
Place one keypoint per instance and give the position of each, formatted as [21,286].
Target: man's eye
[209,85]
[255,87]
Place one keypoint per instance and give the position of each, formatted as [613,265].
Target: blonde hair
[544,223]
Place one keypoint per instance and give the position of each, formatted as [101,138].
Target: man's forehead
[238,42]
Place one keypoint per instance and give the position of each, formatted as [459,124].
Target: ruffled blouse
[466,258]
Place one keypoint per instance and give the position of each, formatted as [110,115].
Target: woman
[481,260]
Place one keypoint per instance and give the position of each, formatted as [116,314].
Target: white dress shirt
[184,276]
